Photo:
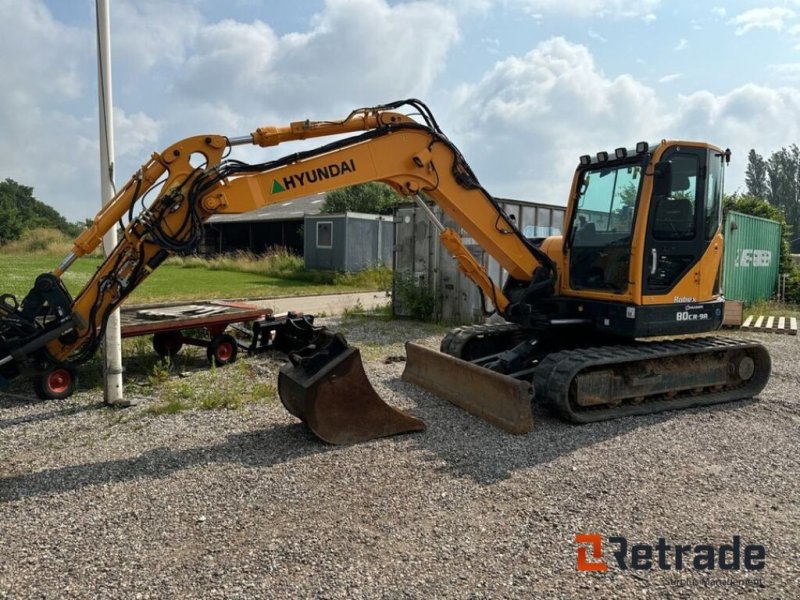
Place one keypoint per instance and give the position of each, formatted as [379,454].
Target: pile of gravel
[247,503]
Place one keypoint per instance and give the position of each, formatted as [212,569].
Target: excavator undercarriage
[582,382]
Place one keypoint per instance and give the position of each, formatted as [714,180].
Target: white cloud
[618,9]
[529,118]
[522,123]
[750,116]
[786,71]
[681,45]
[467,7]
[45,142]
[185,75]
[148,33]
[719,11]
[43,57]
[325,67]
[138,133]
[774,17]
[596,36]
[669,78]
[492,45]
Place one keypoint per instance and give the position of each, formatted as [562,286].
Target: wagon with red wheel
[205,324]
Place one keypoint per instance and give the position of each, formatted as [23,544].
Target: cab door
[676,236]
[598,244]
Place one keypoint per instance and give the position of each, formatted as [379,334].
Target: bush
[373,197]
[415,296]
[277,262]
[40,241]
[793,288]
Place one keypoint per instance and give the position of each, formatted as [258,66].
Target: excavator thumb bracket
[336,399]
[499,399]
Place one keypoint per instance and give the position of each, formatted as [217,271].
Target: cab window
[675,213]
[713,197]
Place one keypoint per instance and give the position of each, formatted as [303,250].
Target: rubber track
[456,339]
[555,373]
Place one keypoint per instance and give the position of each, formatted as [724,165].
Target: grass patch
[228,388]
[39,242]
[281,263]
[278,262]
[772,309]
[170,407]
[194,278]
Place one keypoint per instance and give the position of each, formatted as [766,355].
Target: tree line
[20,211]
[772,191]
[374,197]
[776,180]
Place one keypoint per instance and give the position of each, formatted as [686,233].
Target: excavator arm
[194,179]
[411,157]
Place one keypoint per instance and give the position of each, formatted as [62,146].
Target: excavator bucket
[328,390]
[499,399]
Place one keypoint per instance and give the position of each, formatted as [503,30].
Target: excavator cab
[666,202]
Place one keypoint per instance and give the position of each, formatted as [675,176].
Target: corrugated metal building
[420,257]
[348,241]
[751,257]
[259,230]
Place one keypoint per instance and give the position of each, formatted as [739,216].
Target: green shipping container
[752,257]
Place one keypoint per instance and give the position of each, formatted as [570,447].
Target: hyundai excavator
[639,258]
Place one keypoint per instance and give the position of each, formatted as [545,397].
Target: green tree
[374,197]
[10,225]
[21,211]
[755,178]
[84,224]
[783,178]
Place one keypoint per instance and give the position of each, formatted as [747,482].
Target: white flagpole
[112,346]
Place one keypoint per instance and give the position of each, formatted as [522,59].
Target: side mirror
[662,179]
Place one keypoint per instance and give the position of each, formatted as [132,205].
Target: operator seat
[674,219]
[585,236]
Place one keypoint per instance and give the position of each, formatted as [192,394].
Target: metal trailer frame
[268,332]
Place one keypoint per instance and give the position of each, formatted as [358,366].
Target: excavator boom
[51,329]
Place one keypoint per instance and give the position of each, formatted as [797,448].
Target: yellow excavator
[639,258]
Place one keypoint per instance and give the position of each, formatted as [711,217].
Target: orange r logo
[597,552]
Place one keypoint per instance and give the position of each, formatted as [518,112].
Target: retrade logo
[664,556]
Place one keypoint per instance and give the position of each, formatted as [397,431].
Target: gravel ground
[246,503]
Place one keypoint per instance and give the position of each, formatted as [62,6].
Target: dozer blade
[499,399]
[338,403]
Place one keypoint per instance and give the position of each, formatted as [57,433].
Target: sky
[522,87]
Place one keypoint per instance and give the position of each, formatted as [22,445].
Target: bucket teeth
[338,403]
[499,399]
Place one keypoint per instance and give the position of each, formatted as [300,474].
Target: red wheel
[222,350]
[55,383]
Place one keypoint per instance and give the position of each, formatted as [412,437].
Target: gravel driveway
[246,503]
